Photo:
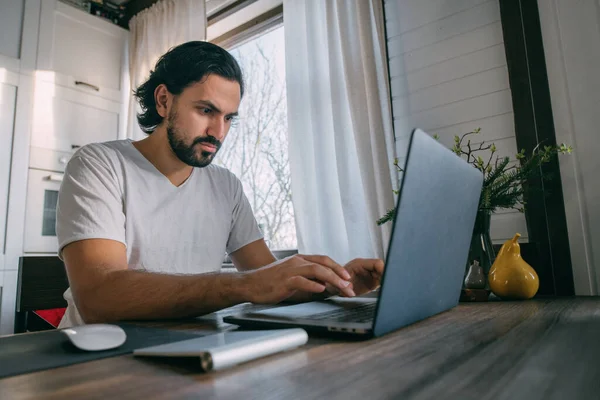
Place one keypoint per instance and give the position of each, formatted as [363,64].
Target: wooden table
[540,349]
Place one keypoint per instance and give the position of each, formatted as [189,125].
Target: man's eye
[231,118]
[206,110]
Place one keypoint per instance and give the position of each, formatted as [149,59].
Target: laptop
[426,256]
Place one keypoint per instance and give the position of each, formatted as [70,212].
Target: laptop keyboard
[361,313]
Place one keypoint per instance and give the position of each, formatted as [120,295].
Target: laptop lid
[429,245]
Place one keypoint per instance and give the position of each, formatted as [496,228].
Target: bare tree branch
[256,150]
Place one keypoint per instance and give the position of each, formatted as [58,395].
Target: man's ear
[161,98]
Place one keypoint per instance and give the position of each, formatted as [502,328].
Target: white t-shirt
[111,191]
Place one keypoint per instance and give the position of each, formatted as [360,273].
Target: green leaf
[387,217]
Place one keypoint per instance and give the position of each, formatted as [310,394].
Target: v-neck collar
[139,154]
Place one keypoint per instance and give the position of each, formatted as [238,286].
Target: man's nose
[218,129]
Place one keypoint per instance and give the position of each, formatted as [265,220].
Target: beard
[190,154]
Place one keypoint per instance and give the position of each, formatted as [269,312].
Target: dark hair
[179,68]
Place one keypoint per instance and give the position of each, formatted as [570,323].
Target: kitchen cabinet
[63,84]
[11,25]
[16,51]
[80,93]
[81,50]
[65,119]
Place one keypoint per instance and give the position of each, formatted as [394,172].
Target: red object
[52,316]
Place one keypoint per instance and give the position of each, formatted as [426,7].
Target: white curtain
[340,126]
[153,31]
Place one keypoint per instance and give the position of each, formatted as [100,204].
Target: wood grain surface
[538,349]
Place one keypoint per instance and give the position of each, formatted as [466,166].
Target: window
[256,148]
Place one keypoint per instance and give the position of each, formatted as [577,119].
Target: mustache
[209,140]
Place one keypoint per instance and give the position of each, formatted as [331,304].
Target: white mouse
[96,337]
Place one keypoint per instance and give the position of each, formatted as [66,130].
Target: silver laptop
[426,258]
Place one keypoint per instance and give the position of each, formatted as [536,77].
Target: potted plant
[504,185]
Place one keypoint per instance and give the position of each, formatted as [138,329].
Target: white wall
[449,76]
[571,34]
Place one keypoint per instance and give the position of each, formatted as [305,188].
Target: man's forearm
[134,295]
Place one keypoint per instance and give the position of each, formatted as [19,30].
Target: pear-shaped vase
[510,277]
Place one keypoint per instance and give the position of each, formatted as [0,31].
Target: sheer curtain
[340,126]
[153,31]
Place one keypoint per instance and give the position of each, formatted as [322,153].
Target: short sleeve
[244,229]
[90,204]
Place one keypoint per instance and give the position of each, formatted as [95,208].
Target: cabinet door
[89,50]
[11,24]
[65,119]
[8,95]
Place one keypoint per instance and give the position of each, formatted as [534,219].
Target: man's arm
[105,290]
[252,256]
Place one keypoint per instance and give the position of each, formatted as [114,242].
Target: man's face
[200,117]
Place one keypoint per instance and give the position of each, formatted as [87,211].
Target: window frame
[261,25]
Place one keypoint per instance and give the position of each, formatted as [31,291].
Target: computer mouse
[95,337]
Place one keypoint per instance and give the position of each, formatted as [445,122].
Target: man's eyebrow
[211,105]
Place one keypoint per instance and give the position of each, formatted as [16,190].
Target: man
[143,226]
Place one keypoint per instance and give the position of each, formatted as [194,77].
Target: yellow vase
[511,277]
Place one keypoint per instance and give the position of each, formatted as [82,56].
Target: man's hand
[278,281]
[365,275]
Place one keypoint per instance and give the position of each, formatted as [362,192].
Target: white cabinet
[102,46]
[63,84]
[78,98]
[65,119]
[11,25]
[82,49]
[80,82]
